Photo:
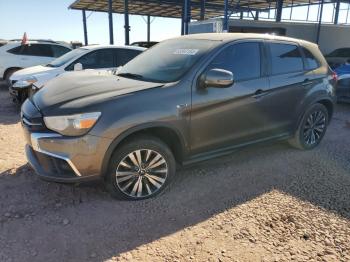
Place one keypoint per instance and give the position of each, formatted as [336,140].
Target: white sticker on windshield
[186,51]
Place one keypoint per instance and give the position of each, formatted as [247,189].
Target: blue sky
[51,19]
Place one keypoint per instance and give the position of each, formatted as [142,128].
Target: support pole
[226,16]
[336,15]
[85,29]
[319,23]
[279,7]
[110,20]
[256,17]
[241,15]
[202,15]
[183,19]
[187,13]
[148,28]
[126,22]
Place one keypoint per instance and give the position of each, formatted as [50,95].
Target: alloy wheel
[314,128]
[141,173]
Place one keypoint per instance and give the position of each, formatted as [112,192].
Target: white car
[15,56]
[88,57]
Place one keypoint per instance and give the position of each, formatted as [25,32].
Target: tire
[8,74]
[137,181]
[312,128]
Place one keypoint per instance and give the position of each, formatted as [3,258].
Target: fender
[184,144]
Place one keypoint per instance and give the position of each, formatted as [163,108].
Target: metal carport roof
[173,8]
[195,9]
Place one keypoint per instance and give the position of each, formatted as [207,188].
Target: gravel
[263,203]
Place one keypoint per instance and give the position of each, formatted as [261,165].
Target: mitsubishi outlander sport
[184,100]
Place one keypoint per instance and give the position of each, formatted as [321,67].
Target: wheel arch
[329,105]
[325,101]
[167,134]
[9,70]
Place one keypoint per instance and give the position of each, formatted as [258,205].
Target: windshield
[168,61]
[342,52]
[67,57]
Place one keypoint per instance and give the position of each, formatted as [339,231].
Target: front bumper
[65,159]
[60,158]
[19,94]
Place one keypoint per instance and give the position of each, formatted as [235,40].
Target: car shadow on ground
[111,227]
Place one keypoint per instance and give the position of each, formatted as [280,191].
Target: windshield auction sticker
[185,51]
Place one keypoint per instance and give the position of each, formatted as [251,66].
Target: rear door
[33,54]
[223,117]
[289,82]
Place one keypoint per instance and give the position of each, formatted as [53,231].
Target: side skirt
[230,149]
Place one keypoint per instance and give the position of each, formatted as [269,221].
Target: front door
[222,117]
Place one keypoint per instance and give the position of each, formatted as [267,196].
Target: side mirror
[78,67]
[217,78]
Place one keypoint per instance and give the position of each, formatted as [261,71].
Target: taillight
[334,76]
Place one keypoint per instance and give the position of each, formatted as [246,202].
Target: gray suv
[184,100]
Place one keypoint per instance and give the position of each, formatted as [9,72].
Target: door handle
[259,93]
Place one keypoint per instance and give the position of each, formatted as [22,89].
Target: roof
[173,8]
[91,47]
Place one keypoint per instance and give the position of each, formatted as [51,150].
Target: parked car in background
[144,44]
[3,42]
[89,57]
[185,100]
[15,55]
[343,84]
[338,57]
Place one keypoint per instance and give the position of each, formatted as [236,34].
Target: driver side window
[242,59]
[96,60]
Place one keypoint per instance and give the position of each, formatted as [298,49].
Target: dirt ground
[264,203]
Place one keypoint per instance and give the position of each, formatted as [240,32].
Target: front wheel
[9,73]
[140,169]
[312,128]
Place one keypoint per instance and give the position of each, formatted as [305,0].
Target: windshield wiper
[130,75]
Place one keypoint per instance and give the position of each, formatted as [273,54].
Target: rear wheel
[312,128]
[140,169]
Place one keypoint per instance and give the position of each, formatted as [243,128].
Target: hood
[72,91]
[37,71]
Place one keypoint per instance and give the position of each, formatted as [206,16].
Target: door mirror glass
[78,67]
[217,78]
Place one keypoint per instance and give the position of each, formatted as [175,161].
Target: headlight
[73,125]
[25,82]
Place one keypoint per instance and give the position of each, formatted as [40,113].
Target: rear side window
[16,51]
[58,50]
[123,56]
[242,59]
[311,61]
[285,58]
[32,50]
